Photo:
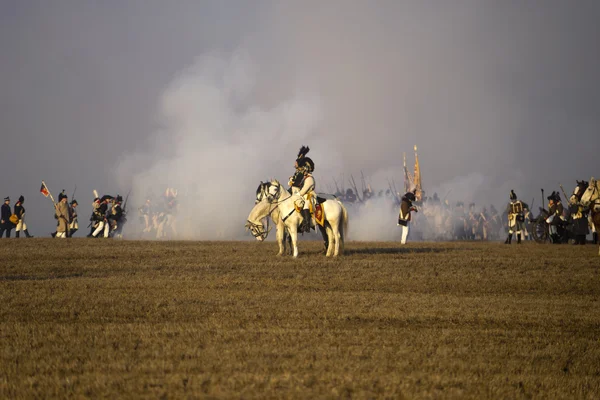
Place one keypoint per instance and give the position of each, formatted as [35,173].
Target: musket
[336,186]
[125,204]
[355,189]
[393,192]
[444,199]
[363,182]
[73,195]
[563,190]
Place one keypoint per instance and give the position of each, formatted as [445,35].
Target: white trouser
[21,225]
[515,226]
[404,234]
[61,235]
[101,225]
[74,225]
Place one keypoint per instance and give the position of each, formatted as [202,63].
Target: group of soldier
[14,219]
[158,218]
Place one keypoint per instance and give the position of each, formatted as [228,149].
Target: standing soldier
[555,212]
[516,217]
[20,213]
[404,217]
[74,225]
[62,213]
[5,223]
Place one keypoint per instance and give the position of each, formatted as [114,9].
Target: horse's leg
[325,237]
[279,235]
[293,230]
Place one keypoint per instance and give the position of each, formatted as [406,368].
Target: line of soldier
[159,218]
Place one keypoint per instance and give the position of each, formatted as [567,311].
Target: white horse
[272,197]
[591,199]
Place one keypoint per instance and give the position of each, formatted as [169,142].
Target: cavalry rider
[516,217]
[305,183]
[555,215]
[406,206]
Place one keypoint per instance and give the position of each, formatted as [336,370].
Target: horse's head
[578,192]
[273,190]
[258,230]
[591,194]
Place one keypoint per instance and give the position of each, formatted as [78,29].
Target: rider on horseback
[304,183]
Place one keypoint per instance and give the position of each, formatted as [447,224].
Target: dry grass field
[101,318]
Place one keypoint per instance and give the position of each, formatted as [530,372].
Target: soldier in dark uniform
[350,196]
[19,211]
[5,224]
[555,216]
[116,217]
[578,219]
[74,224]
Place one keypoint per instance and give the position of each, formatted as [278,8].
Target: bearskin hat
[119,198]
[410,196]
[303,152]
[553,196]
[306,163]
[513,195]
[21,199]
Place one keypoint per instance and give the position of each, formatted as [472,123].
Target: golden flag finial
[415,147]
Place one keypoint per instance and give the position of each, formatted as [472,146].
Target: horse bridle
[258,230]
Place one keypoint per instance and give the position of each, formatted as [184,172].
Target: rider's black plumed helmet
[513,195]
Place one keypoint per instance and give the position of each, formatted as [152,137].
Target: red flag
[44,190]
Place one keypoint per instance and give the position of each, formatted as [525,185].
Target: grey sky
[504,91]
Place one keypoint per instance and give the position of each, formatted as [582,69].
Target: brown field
[101,318]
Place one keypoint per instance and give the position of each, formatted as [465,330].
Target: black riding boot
[306,221]
[518,238]
[17,234]
[595,237]
[508,239]
[27,234]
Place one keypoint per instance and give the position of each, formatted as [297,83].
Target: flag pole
[50,194]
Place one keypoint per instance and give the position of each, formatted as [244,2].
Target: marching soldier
[62,214]
[145,212]
[516,217]
[5,224]
[116,217]
[74,225]
[555,215]
[101,218]
[95,217]
[404,217]
[20,213]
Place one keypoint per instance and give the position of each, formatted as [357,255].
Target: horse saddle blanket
[319,214]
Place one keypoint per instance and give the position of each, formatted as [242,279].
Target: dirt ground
[108,318]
